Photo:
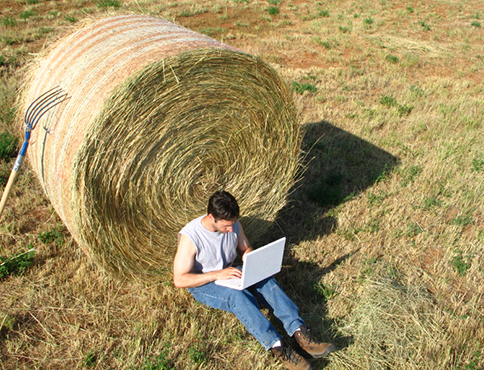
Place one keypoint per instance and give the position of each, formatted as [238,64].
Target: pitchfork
[34,113]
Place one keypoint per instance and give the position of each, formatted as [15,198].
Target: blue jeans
[243,304]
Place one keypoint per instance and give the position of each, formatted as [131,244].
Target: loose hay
[159,118]
[394,326]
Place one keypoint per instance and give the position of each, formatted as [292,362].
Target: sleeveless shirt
[215,250]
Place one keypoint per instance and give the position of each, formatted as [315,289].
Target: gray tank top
[215,250]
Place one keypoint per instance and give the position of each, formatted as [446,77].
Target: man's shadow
[337,166]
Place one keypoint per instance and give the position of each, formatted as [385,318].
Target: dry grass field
[385,228]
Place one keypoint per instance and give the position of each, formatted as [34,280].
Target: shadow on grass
[301,281]
[337,166]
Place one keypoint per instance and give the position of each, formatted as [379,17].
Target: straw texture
[159,117]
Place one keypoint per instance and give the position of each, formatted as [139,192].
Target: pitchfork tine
[42,104]
[33,106]
[51,104]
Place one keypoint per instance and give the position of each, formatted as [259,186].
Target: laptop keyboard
[233,282]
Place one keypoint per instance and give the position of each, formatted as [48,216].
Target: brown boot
[290,358]
[311,345]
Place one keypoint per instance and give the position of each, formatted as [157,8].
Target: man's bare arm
[183,274]
[243,244]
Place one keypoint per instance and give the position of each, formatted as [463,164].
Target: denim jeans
[243,304]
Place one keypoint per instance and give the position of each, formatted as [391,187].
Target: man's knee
[269,283]
[238,299]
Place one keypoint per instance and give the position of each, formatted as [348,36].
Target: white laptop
[258,265]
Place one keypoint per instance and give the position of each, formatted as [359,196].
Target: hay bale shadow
[337,166]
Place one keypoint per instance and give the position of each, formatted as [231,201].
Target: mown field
[385,228]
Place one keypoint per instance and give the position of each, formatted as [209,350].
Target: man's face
[224,226]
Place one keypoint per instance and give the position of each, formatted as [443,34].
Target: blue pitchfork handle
[34,113]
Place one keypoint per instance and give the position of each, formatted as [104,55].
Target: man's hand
[229,273]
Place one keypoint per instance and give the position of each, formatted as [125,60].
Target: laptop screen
[263,262]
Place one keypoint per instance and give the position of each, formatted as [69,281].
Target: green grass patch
[26,14]
[404,110]
[417,90]
[192,12]
[376,199]
[8,113]
[327,44]
[303,86]
[475,362]
[374,225]
[368,268]
[424,25]
[16,264]
[388,101]
[51,236]
[478,163]
[105,4]
[197,355]
[273,10]
[211,31]
[392,59]
[90,359]
[344,29]
[45,30]
[410,175]
[159,362]
[70,19]
[9,21]
[462,220]
[461,264]
[13,40]
[7,321]
[432,201]
[8,145]
[413,229]
[476,24]
[325,291]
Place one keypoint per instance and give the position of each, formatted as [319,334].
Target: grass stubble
[391,269]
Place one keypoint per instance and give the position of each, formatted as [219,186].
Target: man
[207,247]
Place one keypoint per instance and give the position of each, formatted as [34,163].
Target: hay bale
[158,118]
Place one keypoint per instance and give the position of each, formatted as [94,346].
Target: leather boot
[290,358]
[311,345]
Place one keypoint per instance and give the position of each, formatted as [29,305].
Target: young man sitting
[207,247]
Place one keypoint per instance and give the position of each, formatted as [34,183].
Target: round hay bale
[158,118]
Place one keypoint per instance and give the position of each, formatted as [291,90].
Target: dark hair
[223,206]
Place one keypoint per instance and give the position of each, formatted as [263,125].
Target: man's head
[223,206]
[223,211]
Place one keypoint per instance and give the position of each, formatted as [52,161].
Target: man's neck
[207,224]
